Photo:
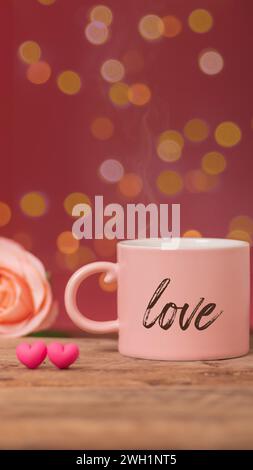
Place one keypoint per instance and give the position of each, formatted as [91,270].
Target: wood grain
[107,401]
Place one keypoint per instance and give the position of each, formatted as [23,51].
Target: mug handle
[91,326]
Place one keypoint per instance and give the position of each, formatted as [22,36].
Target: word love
[166,317]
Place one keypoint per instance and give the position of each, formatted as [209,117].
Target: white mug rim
[187,243]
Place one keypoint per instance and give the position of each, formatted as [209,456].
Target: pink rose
[25,294]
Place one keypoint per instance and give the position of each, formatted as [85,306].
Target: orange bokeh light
[107,286]
[5,214]
[192,234]
[198,181]
[66,243]
[130,185]
[172,26]
[39,73]
[139,94]
[102,128]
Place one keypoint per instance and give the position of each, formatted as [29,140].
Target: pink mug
[185,299]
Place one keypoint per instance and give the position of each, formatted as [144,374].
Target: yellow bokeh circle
[5,214]
[169,150]
[242,222]
[169,182]
[213,163]
[228,134]
[200,21]
[69,82]
[118,94]
[29,52]
[196,130]
[102,14]
[151,27]
[66,243]
[76,198]
[33,204]
[172,135]
[239,235]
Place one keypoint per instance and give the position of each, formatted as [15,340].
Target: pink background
[46,142]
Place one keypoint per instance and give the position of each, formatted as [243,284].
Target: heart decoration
[63,355]
[31,355]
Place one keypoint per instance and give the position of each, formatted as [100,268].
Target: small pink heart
[31,355]
[63,355]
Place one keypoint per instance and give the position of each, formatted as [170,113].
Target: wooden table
[106,401]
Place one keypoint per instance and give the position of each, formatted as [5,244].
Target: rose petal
[32,324]
[16,259]
[21,304]
[50,319]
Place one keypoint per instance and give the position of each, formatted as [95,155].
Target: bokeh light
[38,73]
[139,94]
[33,204]
[83,255]
[5,214]
[101,13]
[111,170]
[172,26]
[172,135]
[196,130]
[169,182]
[133,61]
[24,239]
[240,235]
[76,198]
[211,62]
[97,33]
[66,243]
[198,181]
[118,94]
[200,21]
[192,234]
[242,222]
[170,145]
[228,134]
[151,27]
[213,163]
[112,70]
[105,248]
[46,2]
[69,82]
[107,286]
[169,150]
[29,52]
[102,128]
[130,185]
